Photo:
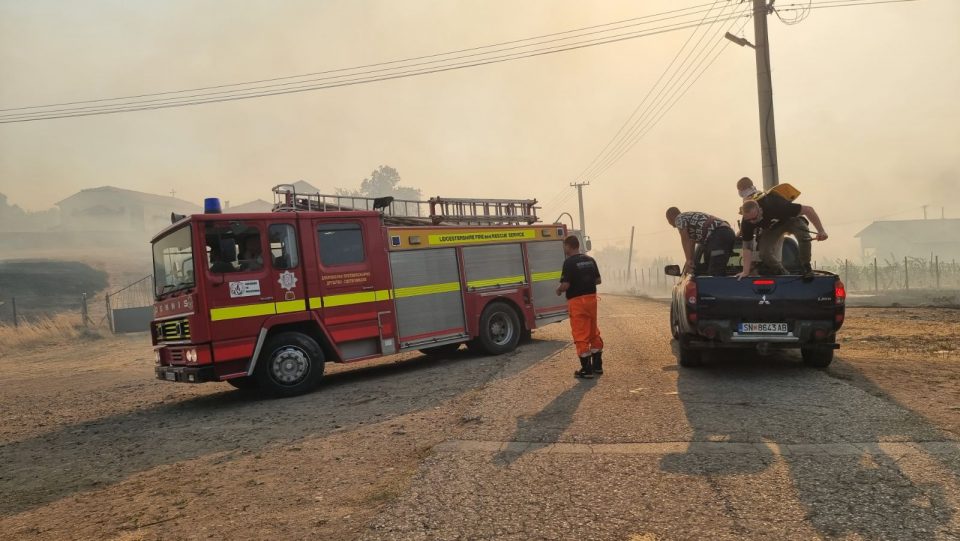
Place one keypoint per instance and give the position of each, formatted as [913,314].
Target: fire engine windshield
[173,261]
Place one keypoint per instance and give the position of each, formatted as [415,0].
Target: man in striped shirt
[714,234]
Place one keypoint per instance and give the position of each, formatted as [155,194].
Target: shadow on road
[547,425]
[105,451]
[748,398]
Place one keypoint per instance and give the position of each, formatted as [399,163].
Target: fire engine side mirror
[672,270]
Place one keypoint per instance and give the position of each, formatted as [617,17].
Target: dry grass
[45,330]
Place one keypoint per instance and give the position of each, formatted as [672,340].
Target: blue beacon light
[211,205]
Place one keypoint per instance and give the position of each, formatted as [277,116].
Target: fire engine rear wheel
[291,363]
[499,329]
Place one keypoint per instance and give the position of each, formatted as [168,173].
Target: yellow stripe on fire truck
[329,301]
[544,276]
[504,280]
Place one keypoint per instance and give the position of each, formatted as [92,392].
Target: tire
[441,351]
[290,364]
[674,324]
[817,357]
[499,329]
[689,357]
[246,383]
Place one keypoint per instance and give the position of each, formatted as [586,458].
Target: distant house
[114,209]
[913,238]
[257,205]
[302,186]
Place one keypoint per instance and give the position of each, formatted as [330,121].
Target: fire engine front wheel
[499,329]
[291,363]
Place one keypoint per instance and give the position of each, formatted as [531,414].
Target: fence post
[876,282]
[906,274]
[936,260]
[109,318]
[846,273]
[83,308]
[13,301]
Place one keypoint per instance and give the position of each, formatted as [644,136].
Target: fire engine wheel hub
[501,330]
[289,365]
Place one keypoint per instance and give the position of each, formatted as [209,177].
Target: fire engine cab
[263,300]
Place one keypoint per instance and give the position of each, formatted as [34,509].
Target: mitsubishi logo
[764,300]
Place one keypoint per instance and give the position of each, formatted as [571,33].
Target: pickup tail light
[763,282]
[839,293]
[690,297]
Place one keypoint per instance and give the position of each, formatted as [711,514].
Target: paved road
[509,447]
[746,447]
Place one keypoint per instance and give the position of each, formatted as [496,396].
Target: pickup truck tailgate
[773,299]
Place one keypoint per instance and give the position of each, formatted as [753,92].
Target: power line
[675,89]
[670,88]
[837,4]
[377,64]
[360,77]
[566,195]
[639,105]
[805,9]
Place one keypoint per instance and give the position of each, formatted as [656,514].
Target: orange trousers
[583,323]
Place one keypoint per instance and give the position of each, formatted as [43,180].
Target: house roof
[257,205]
[942,230]
[302,186]
[134,196]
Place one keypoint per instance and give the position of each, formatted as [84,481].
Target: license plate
[170,376]
[764,328]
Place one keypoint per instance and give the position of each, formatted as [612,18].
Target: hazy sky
[867,108]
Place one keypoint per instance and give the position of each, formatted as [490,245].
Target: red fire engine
[263,300]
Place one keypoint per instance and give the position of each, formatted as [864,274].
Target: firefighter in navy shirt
[579,280]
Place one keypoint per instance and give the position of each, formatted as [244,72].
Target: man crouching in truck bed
[764,214]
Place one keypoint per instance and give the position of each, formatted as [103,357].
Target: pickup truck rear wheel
[674,323]
[291,363]
[689,357]
[817,357]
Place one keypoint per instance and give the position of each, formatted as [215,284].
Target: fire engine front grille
[176,356]
[171,330]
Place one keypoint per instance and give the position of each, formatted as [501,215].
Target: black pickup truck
[757,312]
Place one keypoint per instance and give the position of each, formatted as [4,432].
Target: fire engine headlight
[191,355]
[156,356]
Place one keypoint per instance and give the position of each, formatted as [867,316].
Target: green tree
[383,181]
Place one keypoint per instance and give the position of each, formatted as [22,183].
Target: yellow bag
[785,190]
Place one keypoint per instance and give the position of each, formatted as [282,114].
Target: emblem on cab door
[288,280]
[764,300]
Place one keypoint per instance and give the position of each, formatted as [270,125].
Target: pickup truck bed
[757,312]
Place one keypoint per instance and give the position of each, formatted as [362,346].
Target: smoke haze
[867,116]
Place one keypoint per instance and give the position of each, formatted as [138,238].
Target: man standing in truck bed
[579,280]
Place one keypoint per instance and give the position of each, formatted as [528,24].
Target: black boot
[597,359]
[586,370]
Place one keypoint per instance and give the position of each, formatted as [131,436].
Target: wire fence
[909,273]
[18,310]
[904,274]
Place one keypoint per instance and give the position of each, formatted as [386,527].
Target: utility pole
[630,257]
[768,132]
[579,186]
[925,211]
